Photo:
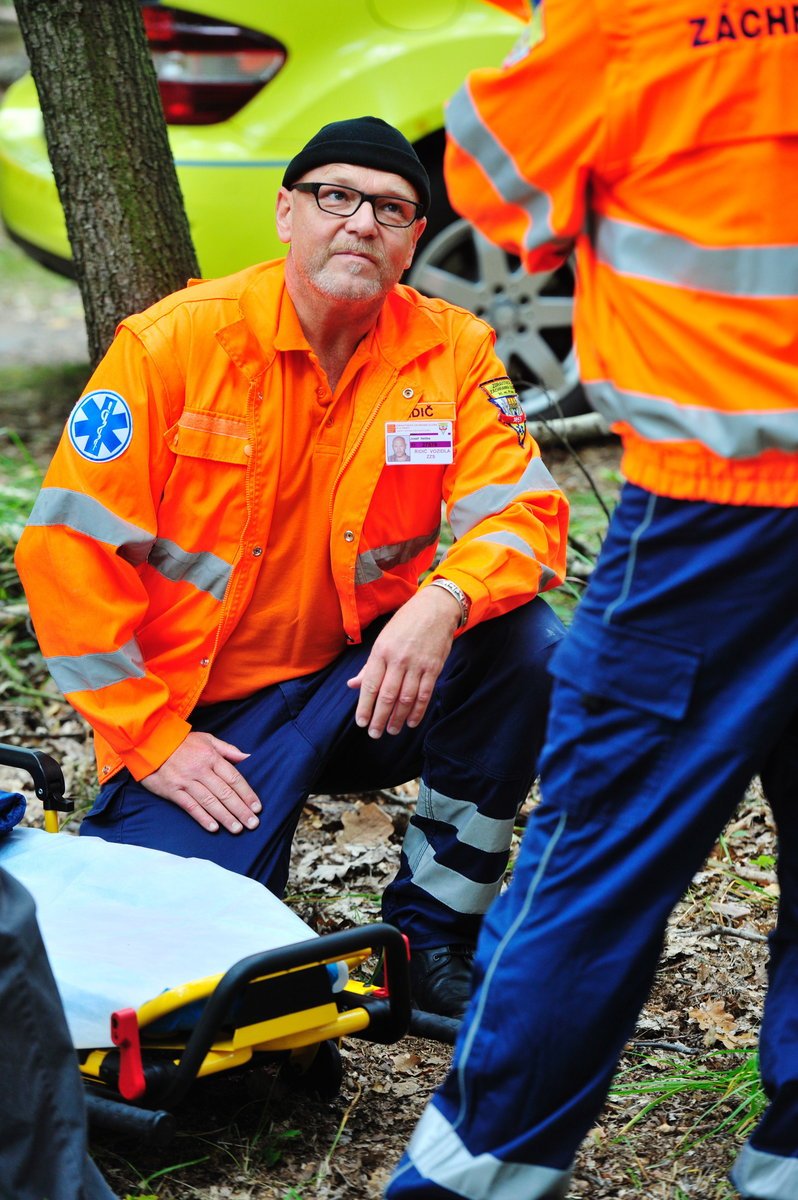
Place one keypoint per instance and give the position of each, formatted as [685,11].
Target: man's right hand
[200,777]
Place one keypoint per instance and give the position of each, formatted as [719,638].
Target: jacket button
[204,662]
[408,393]
[257,551]
[247,450]
[349,536]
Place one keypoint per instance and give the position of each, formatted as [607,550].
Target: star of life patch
[532,36]
[501,392]
[101,426]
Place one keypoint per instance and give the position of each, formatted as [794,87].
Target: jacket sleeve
[91,528]
[508,516]
[521,139]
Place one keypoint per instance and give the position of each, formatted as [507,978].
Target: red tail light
[207,69]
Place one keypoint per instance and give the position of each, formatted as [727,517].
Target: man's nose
[363,220]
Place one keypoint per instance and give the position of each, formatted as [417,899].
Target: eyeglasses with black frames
[393,211]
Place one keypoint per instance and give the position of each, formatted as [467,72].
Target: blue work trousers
[475,751]
[677,683]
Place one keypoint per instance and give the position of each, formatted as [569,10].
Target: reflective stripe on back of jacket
[684,218]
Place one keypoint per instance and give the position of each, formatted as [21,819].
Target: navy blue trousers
[677,682]
[475,751]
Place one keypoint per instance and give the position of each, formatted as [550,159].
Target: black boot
[440,979]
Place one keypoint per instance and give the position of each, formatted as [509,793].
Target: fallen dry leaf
[720,1026]
[365,825]
[406,1062]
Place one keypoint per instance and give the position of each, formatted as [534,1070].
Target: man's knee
[507,657]
[523,638]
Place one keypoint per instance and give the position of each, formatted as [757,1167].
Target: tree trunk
[110,154]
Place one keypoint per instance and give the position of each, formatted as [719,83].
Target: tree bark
[110,154]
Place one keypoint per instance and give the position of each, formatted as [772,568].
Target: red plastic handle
[125,1035]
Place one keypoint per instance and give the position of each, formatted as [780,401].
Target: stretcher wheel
[316,1071]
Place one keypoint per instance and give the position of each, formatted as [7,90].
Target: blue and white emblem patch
[101,426]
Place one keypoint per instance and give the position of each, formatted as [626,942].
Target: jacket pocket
[428,408]
[204,435]
[620,698]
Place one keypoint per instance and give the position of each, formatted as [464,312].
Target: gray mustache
[365,249]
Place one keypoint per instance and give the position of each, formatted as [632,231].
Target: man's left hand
[397,682]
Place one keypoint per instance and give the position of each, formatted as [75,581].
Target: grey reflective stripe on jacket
[91,672]
[729,434]
[759,272]
[84,514]
[439,1154]
[495,497]
[371,564]
[204,570]
[465,125]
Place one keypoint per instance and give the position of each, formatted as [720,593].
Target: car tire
[532,314]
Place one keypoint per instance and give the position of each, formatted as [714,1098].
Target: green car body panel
[397,61]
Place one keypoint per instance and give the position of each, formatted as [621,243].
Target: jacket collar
[249,341]
[269,324]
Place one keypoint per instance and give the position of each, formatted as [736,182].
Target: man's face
[399,447]
[347,258]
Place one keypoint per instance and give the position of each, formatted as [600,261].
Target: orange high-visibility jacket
[660,141]
[139,563]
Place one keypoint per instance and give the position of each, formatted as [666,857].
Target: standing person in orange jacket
[660,144]
[223,568]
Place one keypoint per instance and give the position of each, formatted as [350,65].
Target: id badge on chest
[418,443]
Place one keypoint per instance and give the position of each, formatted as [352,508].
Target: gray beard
[360,288]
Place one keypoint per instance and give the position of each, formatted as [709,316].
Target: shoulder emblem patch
[501,392]
[101,426]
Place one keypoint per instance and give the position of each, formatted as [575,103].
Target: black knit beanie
[363,142]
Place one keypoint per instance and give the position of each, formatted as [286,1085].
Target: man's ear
[283,214]
[418,229]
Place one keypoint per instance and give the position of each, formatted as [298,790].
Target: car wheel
[532,314]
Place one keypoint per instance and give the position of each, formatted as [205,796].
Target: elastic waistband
[690,472]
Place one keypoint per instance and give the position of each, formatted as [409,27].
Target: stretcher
[172,970]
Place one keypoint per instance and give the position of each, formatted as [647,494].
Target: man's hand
[405,661]
[200,778]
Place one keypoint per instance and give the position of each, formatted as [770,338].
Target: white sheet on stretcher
[122,924]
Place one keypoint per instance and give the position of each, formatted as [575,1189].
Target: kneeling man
[237,609]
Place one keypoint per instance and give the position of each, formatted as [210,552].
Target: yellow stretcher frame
[283,1002]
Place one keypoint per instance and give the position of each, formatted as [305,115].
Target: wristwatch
[459,595]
